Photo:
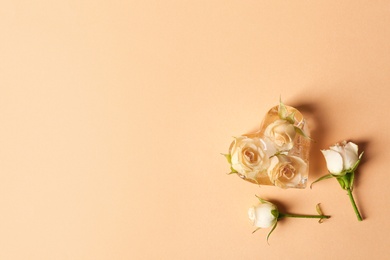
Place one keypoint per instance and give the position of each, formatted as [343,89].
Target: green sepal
[262,200]
[344,181]
[255,230]
[352,179]
[228,157]
[282,111]
[341,182]
[273,228]
[282,152]
[275,213]
[357,163]
[361,155]
[232,171]
[291,118]
[300,131]
[328,176]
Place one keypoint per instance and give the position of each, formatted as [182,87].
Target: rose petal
[350,155]
[337,148]
[352,147]
[334,161]
[252,215]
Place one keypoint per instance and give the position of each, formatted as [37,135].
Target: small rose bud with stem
[266,214]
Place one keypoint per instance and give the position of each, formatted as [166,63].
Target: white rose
[282,133]
[341,157]
[248,157]
[286,171]
[263,215]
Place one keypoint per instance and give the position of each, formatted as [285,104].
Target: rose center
[250,155]
[288,172]
[280,139]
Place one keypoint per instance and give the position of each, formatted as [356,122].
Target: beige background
[114,114]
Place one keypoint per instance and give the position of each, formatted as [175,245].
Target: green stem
[283,215]
[359,217]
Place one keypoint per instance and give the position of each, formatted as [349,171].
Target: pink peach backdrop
[114,114]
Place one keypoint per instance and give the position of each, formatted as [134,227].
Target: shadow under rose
[282,207]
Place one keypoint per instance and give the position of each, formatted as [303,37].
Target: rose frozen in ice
[286,171]
[248,157]
[282,133]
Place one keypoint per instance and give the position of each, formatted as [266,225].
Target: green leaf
[300,131]
[328,176]
[273,228]
[319,211]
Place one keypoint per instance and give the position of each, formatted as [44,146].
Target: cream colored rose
[286,171]
[282,133]
[248,157]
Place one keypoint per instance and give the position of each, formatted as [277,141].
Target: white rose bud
[341,157]
[282,133]
[263,215]
[248,157]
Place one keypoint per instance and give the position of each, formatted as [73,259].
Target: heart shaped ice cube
[278,154]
